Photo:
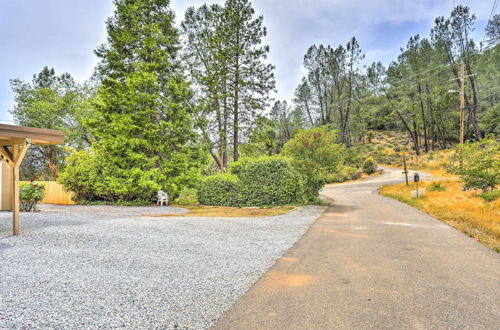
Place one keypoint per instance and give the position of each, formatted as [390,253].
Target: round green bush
[220,190]
[269,181]
[490,196]
[345,173]
[369,166]
[266,181]
[30,194]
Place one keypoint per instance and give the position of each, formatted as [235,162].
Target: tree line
[167,105]
[412,93]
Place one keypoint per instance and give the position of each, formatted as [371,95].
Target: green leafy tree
[453,34]
[206,54]
[144,136]
[488,75]
[478,164]
[330,92]
[315,153]
[288,121]
[493,31]
[224,47]
[251,77]
[54,102]
[263,139]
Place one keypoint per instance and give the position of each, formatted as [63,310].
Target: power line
[410,79]
[493,10]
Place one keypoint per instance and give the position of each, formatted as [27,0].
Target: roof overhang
[12,135]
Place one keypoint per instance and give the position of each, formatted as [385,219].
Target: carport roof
[11,134]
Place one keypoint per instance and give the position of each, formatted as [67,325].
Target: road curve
[371,262]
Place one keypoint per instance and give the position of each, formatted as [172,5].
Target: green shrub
[355,155]
[478,164]
[369,166]
[188,196]
[344,174]
[93,180]
[436,186]
[220,190]
[269,181]
[357,175]
[241,165]
[335,177]
[266,181]
[490,196]
[315,153]
[370,136]
[30,194]
[82,176]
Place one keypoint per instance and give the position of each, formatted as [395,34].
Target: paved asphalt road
[371,262]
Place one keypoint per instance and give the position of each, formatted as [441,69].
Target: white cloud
[294,25]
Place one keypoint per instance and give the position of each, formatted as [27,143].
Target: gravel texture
[88,267]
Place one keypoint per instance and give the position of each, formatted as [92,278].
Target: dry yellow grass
[233,212]
[463,210]
[435,162]
[438,173]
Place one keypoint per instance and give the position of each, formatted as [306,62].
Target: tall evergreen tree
[206,54]
[453,34]
[492,31]
[251,79]
[329,93]
[227,61]
[144,134]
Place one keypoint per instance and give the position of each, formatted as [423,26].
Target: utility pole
[461,80]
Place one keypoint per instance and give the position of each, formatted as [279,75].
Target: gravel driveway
[90,267]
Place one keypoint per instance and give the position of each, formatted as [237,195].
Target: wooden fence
[55,194]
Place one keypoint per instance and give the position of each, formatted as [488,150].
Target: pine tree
[227,61]
[142,123]
[251,78]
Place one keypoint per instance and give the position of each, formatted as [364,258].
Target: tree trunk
[52,162]
[309,112]
[224,156]
[415,141]
[236,128]
[430,109]
[424,120]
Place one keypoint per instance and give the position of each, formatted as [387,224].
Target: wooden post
[16,230]
[17,157]
[405,169]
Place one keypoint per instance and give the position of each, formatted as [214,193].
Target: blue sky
[63,33]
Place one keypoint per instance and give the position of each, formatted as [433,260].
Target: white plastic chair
[162,197]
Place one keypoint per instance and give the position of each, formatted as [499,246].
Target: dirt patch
[232,212]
